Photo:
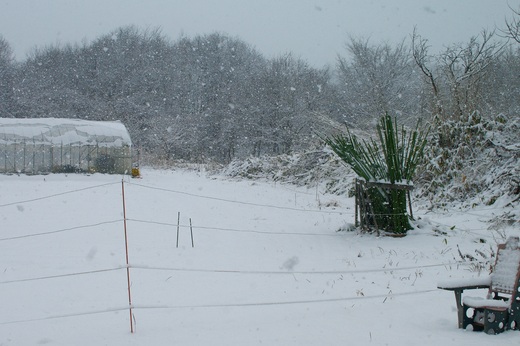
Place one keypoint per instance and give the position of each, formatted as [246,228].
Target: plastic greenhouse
[49,145]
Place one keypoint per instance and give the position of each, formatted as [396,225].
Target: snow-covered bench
[500,310]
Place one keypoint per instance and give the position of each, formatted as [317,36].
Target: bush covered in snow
[474,160]
[316,167]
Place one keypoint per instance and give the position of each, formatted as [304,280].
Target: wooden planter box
[365,216]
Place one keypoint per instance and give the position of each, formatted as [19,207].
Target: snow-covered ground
[267,267]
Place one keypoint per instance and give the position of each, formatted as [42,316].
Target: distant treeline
[215,98]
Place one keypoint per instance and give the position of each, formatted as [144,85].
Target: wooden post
[14,158]
[127,263]
[5,158]
[191,231]
[178,225]
[51,157]
[410,203]
[79,157]
[373,215]
[356,194]
[34,157]
[24,153]
[88,158]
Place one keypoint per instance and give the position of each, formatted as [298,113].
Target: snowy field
[267,265]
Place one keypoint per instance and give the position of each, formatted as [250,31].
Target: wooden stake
[410,204]
[191,231]
[127,263]
[356,200]
[178,225]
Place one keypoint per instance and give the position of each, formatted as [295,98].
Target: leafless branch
[512,29]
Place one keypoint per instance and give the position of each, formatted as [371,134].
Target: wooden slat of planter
[390,186]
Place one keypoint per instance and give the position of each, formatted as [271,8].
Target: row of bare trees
[207,97]
[214,97]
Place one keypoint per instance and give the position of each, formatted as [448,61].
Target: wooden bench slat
[505,272]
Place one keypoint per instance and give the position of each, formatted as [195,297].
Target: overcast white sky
[314,30]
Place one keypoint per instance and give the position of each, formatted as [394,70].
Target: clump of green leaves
[393,160]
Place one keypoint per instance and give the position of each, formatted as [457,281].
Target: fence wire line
[291,302]
[232,229]
[62,275]
[57,194]
[337,234]
[260,272]
[60,230]
[473,213]
[240,202]
[231,305]
[76,314]
[461,211]
[230,271]
[224,200]
[258,204]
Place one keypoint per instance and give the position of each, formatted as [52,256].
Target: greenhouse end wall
[41,146]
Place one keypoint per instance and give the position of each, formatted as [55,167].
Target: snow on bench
[500,310]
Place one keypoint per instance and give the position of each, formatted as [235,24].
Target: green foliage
[402,154]
[394,160]
[361,155]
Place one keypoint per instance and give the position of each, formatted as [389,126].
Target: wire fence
[241,202]
[383,297]
[61,230]
[224,271]
[57,195]
[37,278]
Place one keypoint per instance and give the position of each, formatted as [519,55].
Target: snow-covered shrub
[473,160]
[313,167]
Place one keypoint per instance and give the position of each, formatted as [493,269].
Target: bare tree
[464,68]
[377,79]
[422,58]
[502,84]
[455,75]
[6,78]
[512,29]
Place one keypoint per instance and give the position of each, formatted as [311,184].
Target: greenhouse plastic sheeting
[44,145]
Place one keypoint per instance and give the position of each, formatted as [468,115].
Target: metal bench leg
[460,310]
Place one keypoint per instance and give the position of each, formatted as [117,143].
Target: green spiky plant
[393,160]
